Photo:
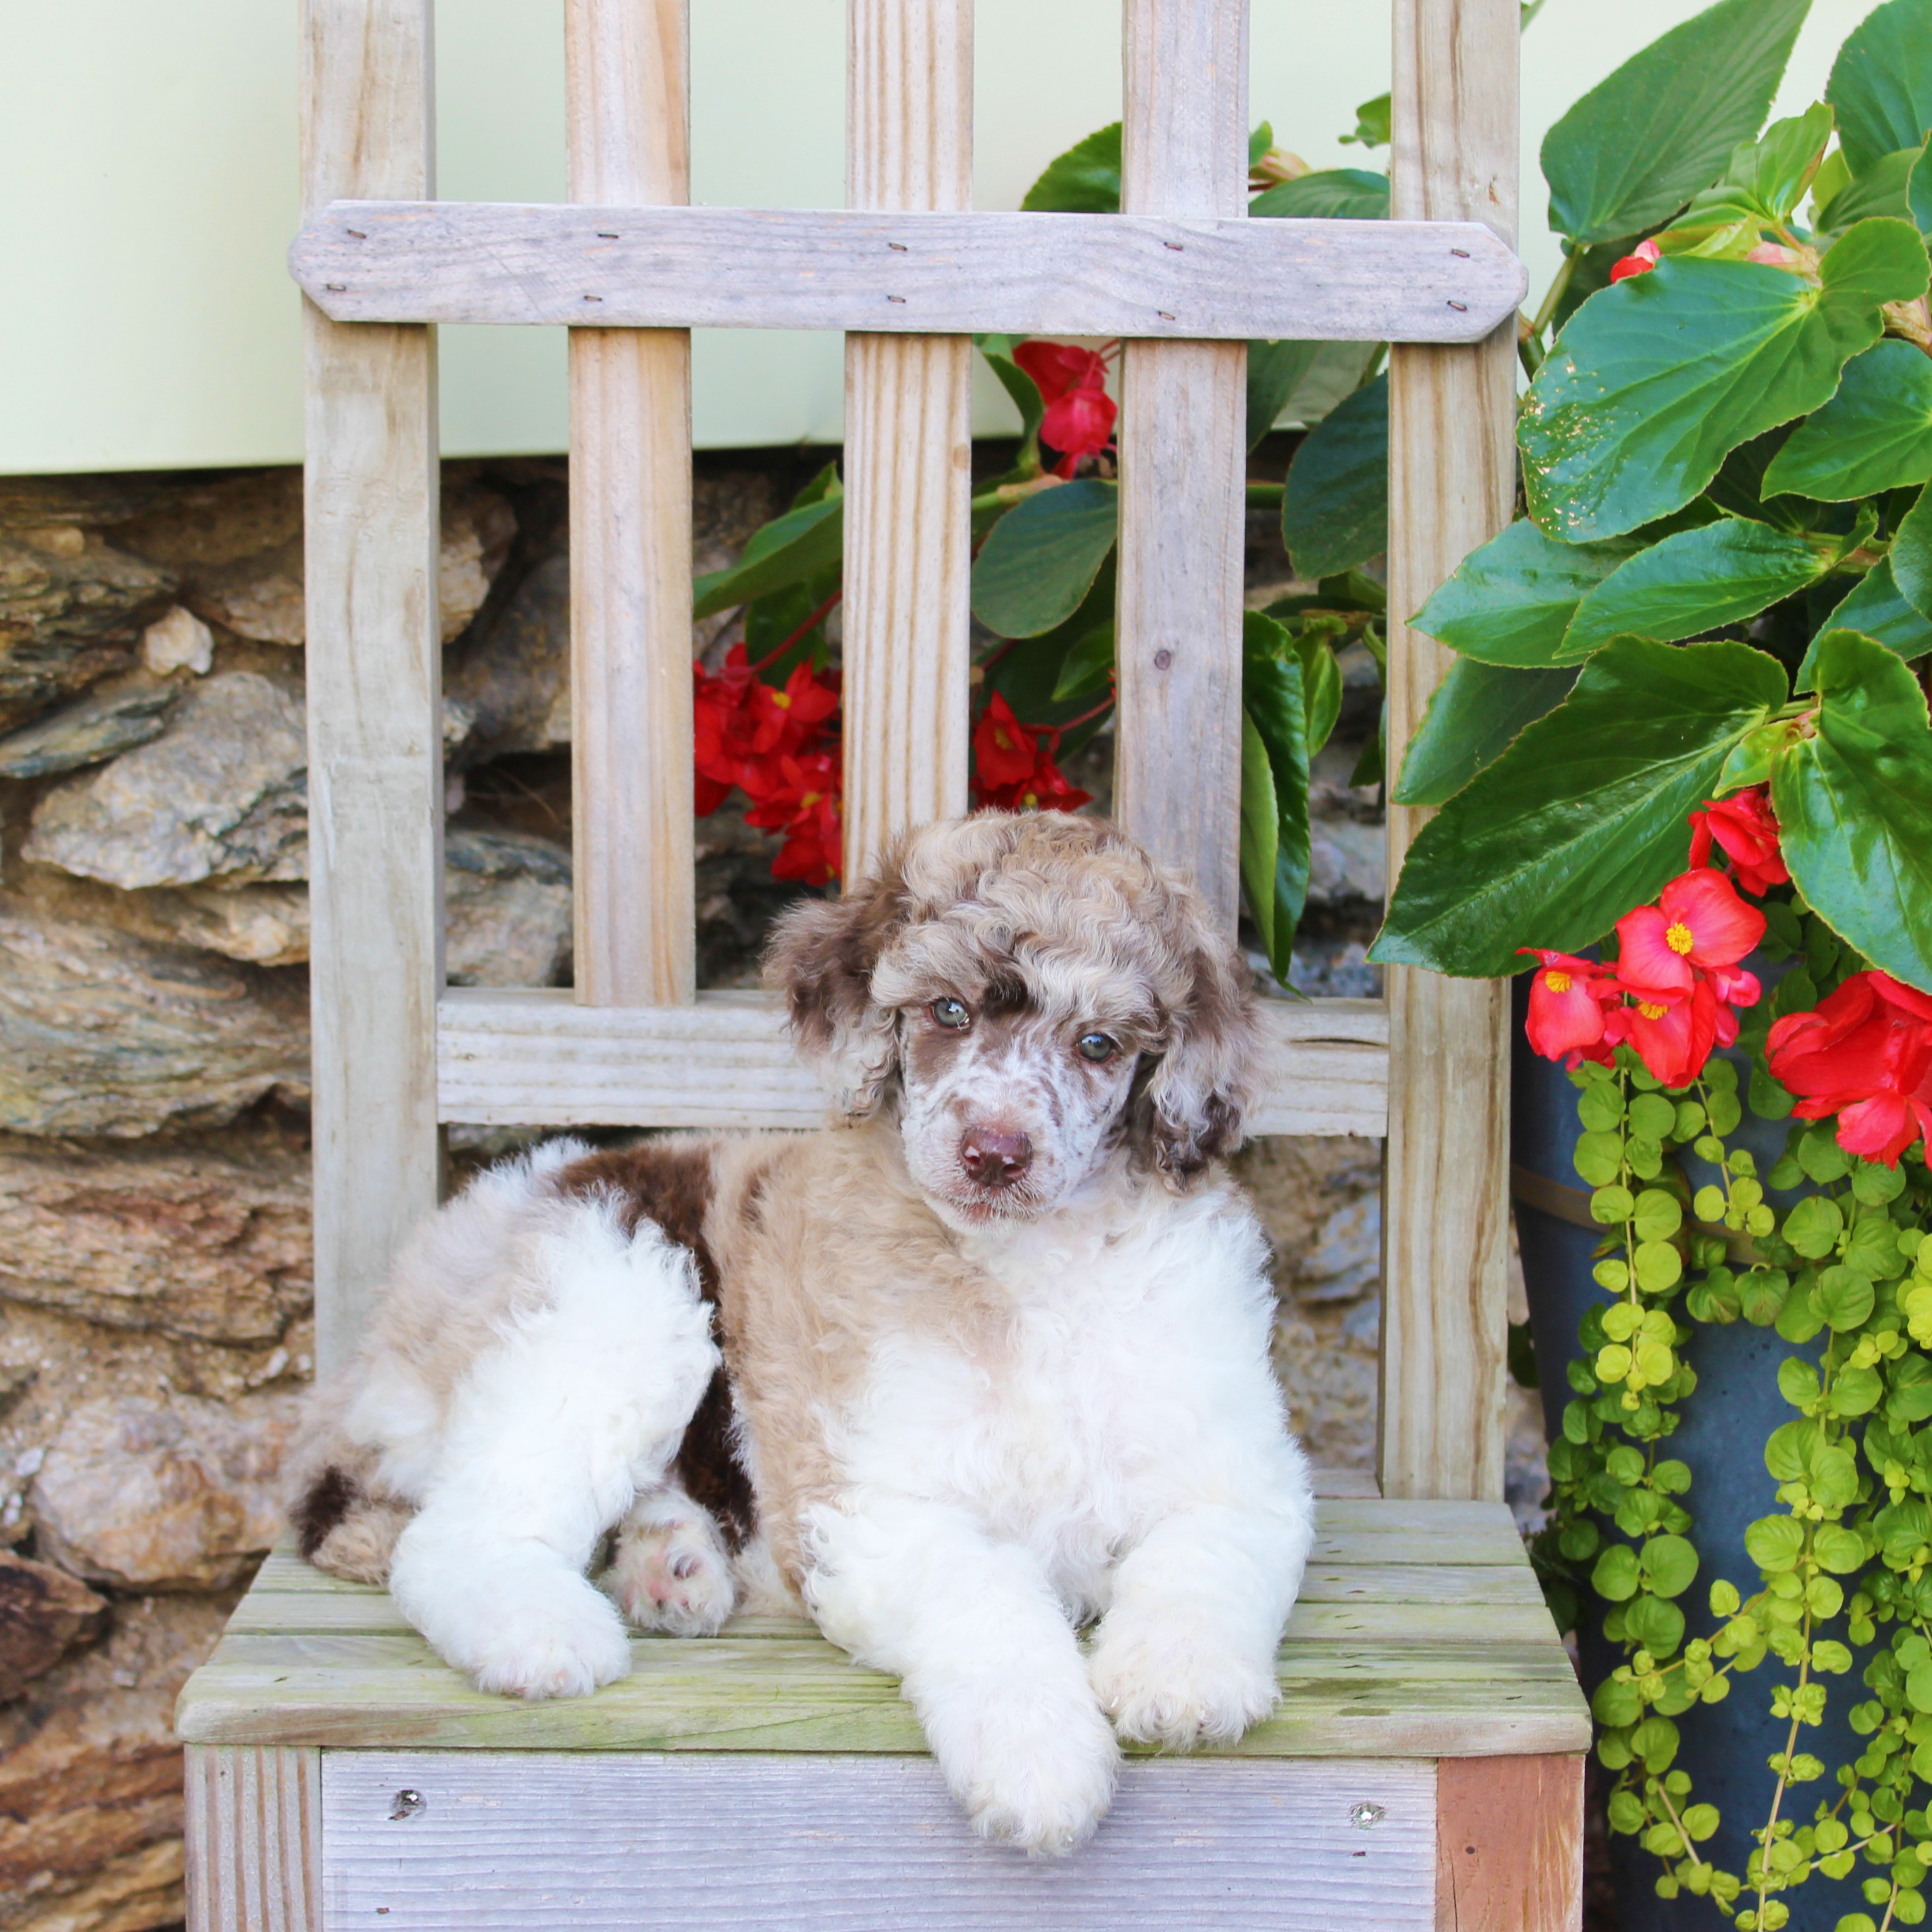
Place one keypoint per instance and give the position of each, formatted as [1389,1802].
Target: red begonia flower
[1640,262]
[1745,827]
[802,803]
[1567,998]
[1073,383]
[1004,751]
[1672,1037]
[1057,367]
[1046,790]
[788,719]
[1698,922]
[1865,1054]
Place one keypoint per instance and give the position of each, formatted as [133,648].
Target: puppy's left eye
[951,1014]
[1096,1047]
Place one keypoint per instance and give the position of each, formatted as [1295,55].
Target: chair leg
[254,1839]
[1509,1844]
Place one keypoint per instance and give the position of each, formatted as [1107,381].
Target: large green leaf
[1476,714]
[1274,850]
[1854,807]
[1639,144]
[1043,556]
[1653,381]
[1276,370]
[1721,573]
[1085,180]
[787,550]
[1352,194]
[1884,188]
[1510,602]
[1334,512]
[1776,172]
[1876,433]
[1911,557]
[1881,84]
[1585,815]
[1877,608]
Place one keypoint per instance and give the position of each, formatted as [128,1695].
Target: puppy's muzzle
[993,1157]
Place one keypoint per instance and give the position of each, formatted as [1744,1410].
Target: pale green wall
[147,192]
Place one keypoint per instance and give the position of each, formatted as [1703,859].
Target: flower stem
[810,625]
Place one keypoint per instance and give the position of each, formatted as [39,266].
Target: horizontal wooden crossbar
[1064,275]
[536,1058]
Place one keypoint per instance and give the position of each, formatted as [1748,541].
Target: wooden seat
[1425,1767]
[760,1768]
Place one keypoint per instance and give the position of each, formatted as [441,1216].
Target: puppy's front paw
[1037,1775]
[1175,1688]
[558,1638]
[673,1576]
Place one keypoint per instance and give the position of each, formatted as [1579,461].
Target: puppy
[984,1363]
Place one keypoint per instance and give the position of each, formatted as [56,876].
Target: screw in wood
[1463,306]
[1161,659]
[337,286]
[406,1804]
[606,234]
[358,233]
[897,298]
[1176,246]
[1365,1817]
[898,248]
[1163,314]
[593,297]
[1461,254]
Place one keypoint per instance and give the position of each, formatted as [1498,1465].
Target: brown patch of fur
[671,1183]
[321,1507]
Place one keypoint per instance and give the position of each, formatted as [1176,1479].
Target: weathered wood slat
[374,659]
[534,1057]
[1509,1837]
[908,455]
[862,1847]
[1452,414]
[630,534]
[254,1817]
[1189,275]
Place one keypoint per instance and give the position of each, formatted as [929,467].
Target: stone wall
[154,1249]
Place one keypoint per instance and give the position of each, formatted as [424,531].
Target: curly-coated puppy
[986,1362]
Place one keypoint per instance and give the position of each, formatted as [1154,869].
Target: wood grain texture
[533,1058]
[542,1844]
[1451,480]
[908,455]
[1510,1844]
[374,670]
[627,117]
[254,1839]
[1183,440]
[1189,276]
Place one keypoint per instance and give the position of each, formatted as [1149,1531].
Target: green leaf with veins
[998,351]
[1274,840]
[1776,171]
[1854,806]
[1911,557]
[1876,433]
[1354,194]
[1475,715]
[1584,816]
[1875,607]
[1043,556]
[1640,144]
[1692,583]
[787,550]
[1656,380]
[1510,601]
[1885,188]
[1881,83]
[1085,180]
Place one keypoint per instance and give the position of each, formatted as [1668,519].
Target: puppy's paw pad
[564,1648]
[1177,1695]
[674,1577]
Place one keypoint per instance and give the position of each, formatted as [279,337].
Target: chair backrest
[1178,275]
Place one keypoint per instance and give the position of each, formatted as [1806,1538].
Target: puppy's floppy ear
[1190,1107]
[821,955]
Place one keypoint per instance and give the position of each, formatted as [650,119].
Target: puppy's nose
[994,1158]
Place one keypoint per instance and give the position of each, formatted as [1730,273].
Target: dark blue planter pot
[1735,1406]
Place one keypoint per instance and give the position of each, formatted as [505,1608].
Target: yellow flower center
[811,798]
[1556,981]
[1680,938]
[782,699]
[1650,1013]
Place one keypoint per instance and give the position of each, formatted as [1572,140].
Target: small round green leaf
[1669,1564]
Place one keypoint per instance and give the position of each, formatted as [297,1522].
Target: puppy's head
[1028,992]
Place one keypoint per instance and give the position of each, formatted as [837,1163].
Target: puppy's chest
[1059,1410]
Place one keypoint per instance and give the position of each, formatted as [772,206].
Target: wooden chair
[1425,1769]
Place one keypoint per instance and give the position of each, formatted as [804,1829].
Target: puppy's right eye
[950,1013]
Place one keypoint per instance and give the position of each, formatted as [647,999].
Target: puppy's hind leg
[672,1571]
[550,1435]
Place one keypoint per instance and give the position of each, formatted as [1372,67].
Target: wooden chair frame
[630,268]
